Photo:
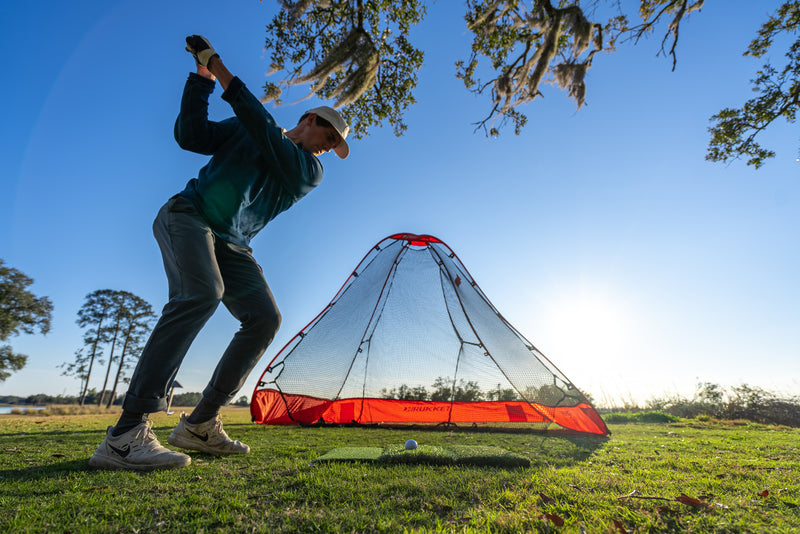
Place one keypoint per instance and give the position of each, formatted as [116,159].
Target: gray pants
[202,270]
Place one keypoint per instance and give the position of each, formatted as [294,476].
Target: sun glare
[591,327]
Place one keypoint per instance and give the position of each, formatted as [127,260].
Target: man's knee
[203,301]
[265,320]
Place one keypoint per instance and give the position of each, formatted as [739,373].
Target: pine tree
[95,311]
[113,318]
[137,324]
[114,330]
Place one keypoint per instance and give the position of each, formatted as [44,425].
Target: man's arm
[193,131]
[218,69]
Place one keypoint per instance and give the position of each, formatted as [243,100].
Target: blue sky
[601,234]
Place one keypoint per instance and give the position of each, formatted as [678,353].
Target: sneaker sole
[186,443]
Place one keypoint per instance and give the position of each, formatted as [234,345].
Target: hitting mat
[476,455]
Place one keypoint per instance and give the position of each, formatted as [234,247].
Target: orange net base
[270,407]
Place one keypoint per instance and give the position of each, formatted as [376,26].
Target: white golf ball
[411,445]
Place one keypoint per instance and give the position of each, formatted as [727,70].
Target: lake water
[5,410]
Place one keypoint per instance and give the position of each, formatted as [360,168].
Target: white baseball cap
[337,121]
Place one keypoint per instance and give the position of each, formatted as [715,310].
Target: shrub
[739,402]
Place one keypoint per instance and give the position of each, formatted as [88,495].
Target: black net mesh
[410,323]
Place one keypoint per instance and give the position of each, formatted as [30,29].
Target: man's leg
[195,289]
[249,299]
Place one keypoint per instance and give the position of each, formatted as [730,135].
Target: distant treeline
[41,399]
[710,400]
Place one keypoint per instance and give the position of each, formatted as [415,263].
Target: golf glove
[201,49]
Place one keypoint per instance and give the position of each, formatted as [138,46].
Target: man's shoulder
[314,169]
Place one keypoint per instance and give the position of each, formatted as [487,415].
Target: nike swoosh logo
[198,436]
[122,452]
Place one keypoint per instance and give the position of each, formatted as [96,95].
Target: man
[256,171]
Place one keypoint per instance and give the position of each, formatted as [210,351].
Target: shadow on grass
[55,433]
[39,472]
[101,432]
[45,470]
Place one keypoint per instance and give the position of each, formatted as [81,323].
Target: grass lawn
[686,476]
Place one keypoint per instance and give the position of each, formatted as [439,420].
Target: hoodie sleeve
[296,170]
[193,130]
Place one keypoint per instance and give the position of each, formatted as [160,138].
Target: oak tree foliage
[777,91]
[21,312]
[356,52]
[360,54]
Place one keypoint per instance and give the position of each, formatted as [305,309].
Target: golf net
[411,338]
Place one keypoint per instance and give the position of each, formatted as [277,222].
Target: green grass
[739,477]
[640,417]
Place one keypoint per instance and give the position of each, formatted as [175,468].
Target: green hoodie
[255,171]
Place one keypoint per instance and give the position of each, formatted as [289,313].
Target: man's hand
[201,49]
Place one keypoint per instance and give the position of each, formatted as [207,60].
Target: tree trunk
[110,362]
[120,367]
[91,363]
[98,305]
[136,323]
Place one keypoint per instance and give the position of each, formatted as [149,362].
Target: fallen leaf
[691,501]
[557,520]
[764,493]
[620,526]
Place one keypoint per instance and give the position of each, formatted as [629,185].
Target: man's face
[319,139]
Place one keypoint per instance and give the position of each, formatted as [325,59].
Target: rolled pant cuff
[137,405]
[217,397]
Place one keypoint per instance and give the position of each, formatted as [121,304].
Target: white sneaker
[138,449]
[206,437]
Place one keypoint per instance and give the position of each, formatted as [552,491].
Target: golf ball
[411,445]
